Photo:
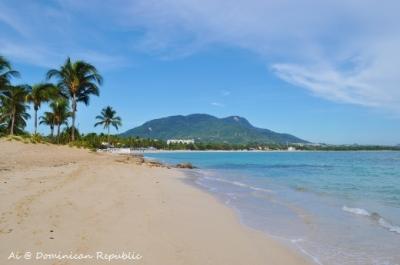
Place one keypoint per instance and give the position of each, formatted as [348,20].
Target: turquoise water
[334,207]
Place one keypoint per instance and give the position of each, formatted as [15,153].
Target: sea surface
[334,207]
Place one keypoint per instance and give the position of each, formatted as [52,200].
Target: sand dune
[56,199]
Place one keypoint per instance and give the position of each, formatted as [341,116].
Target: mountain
[207,128]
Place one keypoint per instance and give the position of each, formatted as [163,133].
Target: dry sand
[56,199]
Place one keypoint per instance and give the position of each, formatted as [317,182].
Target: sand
[68,201]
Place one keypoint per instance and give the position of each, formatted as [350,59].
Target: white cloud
[225,93]
[372,80]
[217,104]
[341,50]
[44,35]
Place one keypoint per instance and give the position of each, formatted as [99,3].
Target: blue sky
[325,71]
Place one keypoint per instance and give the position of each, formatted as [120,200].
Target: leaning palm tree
[14,107]
[49,120]
[77,81]
[6,73]
[61,114]
[108,117]
[41,93]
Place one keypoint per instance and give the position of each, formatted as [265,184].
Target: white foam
[389,226]
[375,216]
[358,211]
[296,243]
[239,184]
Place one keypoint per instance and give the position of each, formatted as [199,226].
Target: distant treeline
[98,141]
[349,148]
[95,141]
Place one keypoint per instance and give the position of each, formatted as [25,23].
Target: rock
[185,165]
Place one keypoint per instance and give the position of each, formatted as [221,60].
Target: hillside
[207,128]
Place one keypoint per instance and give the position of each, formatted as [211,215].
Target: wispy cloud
[45,34]
[217,104]
[340,50]
[225,93]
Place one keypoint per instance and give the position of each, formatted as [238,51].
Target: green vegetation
[6,74]
[208,129]
[61,113]
[14,109]
[76,81]
[38,94]
[108,118]
[48,119]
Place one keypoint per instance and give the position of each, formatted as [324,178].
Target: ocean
[334,207]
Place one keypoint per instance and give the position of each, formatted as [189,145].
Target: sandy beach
[57,199]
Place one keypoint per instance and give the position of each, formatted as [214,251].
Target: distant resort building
[180,141]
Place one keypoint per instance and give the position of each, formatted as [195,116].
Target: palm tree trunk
[52,127]
[12,122]
[108,135]
[36,120]
[73,118]
[58,133]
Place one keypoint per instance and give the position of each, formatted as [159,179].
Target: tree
[78,81]
[61,112]
[108,117]
[48,119]
[14,108]
[41,93]
[65,135]
[6,73]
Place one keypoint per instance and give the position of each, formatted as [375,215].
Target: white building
[180,141]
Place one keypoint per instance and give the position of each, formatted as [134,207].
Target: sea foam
[358,211]
[374,216]
[239,184]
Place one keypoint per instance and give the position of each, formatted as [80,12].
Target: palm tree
[77,81]
[48,119]
[61,114]
[6,73]
[41,93]
[18,124]
[108,117]
[14,108]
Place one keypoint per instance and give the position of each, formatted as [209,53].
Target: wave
[272,166]
[239,184]
[375,217]
[358,211]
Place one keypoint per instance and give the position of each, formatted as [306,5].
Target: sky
[325,71]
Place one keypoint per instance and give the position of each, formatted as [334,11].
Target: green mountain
[206,128]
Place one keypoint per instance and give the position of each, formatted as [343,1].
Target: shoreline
[191,180]
[254,151]
[300,211]
[57,198]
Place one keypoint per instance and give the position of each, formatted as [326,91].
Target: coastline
[285,197]
[257,151]
[62,199]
